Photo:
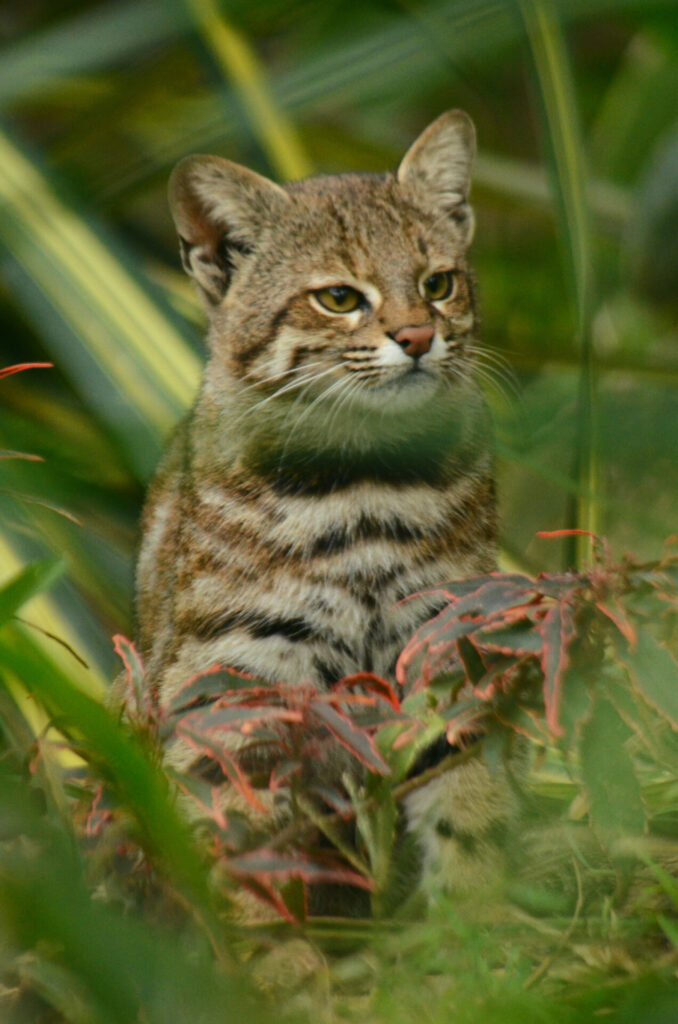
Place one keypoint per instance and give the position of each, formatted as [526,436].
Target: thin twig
[423,779]
[52,636]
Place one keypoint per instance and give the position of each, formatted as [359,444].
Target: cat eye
[340,298]
[438,286]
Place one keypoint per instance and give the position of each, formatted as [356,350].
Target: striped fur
[319,479]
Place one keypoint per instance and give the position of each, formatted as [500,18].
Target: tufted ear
[219,209]
[436,169]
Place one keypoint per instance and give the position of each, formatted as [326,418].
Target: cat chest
[366,544]
[317,588]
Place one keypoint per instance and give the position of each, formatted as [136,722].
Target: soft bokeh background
[576,192]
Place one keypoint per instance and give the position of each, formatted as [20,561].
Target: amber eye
[438,286]
[339,298]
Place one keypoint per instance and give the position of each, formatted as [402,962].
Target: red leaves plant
[258,737]
[561,657]
[503,631]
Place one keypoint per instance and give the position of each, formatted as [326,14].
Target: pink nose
[415,341]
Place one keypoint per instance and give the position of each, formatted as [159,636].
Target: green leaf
[519,638]
[356,740]
[135,673]
[241,65]
[525,721]
[654,674]
[471,659]
[120,968]
[575,702]
[565,145]
[139,783]
[92,38]
[557,630]
[669,928]
[207,686]
[30,581]
[667,881]
[495,748]
[119,343]
[608,773]
[638,106]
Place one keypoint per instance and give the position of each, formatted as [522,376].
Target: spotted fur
[324,473]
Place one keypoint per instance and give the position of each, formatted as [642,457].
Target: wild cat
[336,459]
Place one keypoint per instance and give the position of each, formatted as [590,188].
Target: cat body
[336,459]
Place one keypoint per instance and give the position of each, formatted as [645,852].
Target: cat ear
[436,169]
[219,209]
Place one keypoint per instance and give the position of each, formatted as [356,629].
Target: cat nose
[415,341]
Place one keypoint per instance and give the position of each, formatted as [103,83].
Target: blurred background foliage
[576,193]
[576,188]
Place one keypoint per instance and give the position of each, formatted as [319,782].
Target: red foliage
[502,631]
[7,371]
[506,651]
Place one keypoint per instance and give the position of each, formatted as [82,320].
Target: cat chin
[406,392]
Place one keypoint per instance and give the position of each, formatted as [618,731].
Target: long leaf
[356,740]
[557,630]
[140,784]
[50,618]
[608,772]
[86,958]
[238,60]
[570,180]
[88,40]
[122,349]
[28,582]
[654,674]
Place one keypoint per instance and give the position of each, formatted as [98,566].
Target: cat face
[355,287]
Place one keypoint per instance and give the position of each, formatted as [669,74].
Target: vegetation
[575,190]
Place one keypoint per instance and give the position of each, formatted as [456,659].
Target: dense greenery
[575,192]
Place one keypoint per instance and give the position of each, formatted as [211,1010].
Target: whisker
[491,355]
[277,376]
[334,386]
[489,376]
[310,378]
[353,386]
[337,384]
[365,374]
[302,394]
[502,373]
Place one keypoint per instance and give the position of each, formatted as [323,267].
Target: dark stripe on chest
[320,474]
[259,627]
[340,538]
[433,451]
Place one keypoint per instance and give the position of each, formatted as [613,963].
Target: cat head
[354,285]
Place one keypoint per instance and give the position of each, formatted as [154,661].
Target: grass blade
[89,40]
[241,66]
[28,582]
[141,785]
[565,143]
[122,349]
[49,614]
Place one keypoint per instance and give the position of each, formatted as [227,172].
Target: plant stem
[298,829]
[558,101]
